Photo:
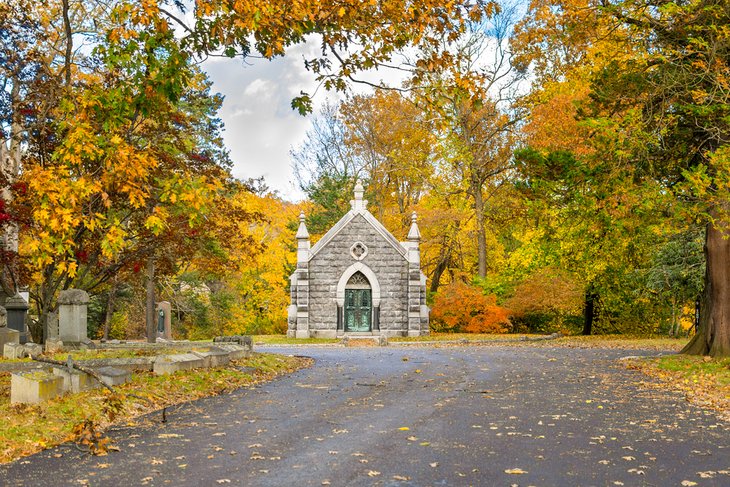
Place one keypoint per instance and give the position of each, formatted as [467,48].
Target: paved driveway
[417,416]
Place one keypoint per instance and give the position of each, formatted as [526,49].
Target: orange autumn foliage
[462,308]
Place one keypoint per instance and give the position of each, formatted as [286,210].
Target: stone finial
[359,190]
[414,235]
[302,233]
[359,204]
[3,317]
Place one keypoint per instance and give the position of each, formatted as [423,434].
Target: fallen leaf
[373,473]
[401,478]
[404,428]
[515,471]
[434,464]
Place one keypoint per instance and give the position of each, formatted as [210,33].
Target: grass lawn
[27,429]
[705,381]
[630,342]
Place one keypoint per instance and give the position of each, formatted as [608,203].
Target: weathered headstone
[7,335]
[214,357]
[72,304]
[168,364]
[164,320]
[52,326]
[74,380]
[14,350]
[34,387]
[235,351]
[33,349]
[113,376]
[17,308]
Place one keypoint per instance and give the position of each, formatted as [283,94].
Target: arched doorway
[358,304]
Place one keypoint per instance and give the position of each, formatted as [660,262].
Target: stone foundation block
[113,376]
[74,381]
[14,350]
[33,349]
[235,352]
[215,357]
[8,335]
[34,387]
[53,346]
[168,364]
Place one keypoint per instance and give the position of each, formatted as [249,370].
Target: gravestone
[164,320]
[74,380]
[113,376]
[34,387]
[7,335]
[72,304]
[52,326]
[17,308]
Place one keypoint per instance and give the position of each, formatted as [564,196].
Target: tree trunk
[150,304]
[481,230]
[109,311]
[713,335]
[441,266]
[69,43]
[589,311]
[10,159]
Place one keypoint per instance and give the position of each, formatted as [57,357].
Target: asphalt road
[417,416]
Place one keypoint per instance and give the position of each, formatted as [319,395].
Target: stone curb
[432,342]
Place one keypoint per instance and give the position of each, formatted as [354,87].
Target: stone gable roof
[345,220]
[359,207]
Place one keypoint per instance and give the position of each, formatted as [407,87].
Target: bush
[461,308]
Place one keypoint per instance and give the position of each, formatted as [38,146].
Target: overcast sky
[260,125]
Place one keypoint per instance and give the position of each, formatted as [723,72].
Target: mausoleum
[358,279]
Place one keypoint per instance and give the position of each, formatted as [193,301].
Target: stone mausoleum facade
[358,279]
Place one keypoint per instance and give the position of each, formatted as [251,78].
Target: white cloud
[260,125]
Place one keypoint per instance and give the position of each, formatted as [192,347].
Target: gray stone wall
[390,267]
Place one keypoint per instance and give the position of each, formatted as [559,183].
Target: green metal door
[358,309]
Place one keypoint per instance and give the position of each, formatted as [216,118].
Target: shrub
[460,307]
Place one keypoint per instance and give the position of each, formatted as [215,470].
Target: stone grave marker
[34,387]
[7,335]
[164,320]
[72,316]
[17,308]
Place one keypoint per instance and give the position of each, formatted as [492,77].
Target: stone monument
[72,304]
[7,335]
[164,320]
[17,309]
